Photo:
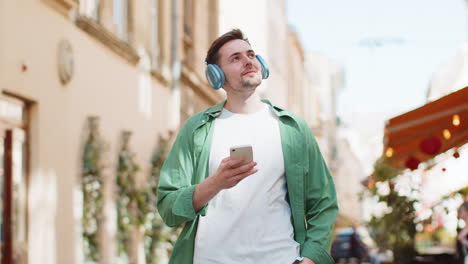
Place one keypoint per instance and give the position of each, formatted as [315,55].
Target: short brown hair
[212,54]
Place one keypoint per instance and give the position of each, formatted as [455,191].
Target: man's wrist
[203,193]
[306,260]
[213,185]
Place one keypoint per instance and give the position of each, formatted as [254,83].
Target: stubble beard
[248,85]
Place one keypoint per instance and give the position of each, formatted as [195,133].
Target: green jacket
[311,191]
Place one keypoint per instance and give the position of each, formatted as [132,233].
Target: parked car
[342,249]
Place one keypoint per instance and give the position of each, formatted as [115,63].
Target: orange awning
[422,133]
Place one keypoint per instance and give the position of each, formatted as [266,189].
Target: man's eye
[251,56]
[235,58]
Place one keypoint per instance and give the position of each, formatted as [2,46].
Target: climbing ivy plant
[156,232]
[127,195]
[92,183]
[136,206]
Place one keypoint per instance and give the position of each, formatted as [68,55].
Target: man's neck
[243,104]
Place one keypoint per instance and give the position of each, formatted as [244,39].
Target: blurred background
[93,93]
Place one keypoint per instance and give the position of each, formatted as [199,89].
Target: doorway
[13,180]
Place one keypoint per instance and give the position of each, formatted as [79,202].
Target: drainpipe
[176,68]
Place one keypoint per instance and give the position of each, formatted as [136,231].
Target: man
[358,250]
[279,208]
[461,253]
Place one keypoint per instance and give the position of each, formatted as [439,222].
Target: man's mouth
[248,72]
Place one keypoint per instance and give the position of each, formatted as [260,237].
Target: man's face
[240,66]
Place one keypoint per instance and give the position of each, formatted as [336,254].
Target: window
[121,19]
[114,28]
[212,21]
[155,49]
[188,33]
[90,8]
[188,17]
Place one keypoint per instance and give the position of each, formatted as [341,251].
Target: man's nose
[248,61]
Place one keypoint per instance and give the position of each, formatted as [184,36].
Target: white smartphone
[244,151]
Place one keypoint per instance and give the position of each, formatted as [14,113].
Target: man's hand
[307,261]
[230,172]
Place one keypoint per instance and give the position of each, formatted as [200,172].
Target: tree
[395,229]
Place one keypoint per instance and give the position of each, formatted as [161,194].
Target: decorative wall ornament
[412,163]
[65,62]
[430,145]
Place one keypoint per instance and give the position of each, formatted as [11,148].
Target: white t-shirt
[250,222]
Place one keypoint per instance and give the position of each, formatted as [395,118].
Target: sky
[389,49]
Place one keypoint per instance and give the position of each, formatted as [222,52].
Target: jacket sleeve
[321,205]
[175,188]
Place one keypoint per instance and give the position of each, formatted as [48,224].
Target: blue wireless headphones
[215,75]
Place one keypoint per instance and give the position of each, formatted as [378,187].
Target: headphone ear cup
[265,69]
[215,76]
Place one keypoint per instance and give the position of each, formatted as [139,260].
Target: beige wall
[277,52]
[112,80]
[325,78]
[311,102]
[296,88]
[264,23]
[196,94]
[124,94]
[348,177]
